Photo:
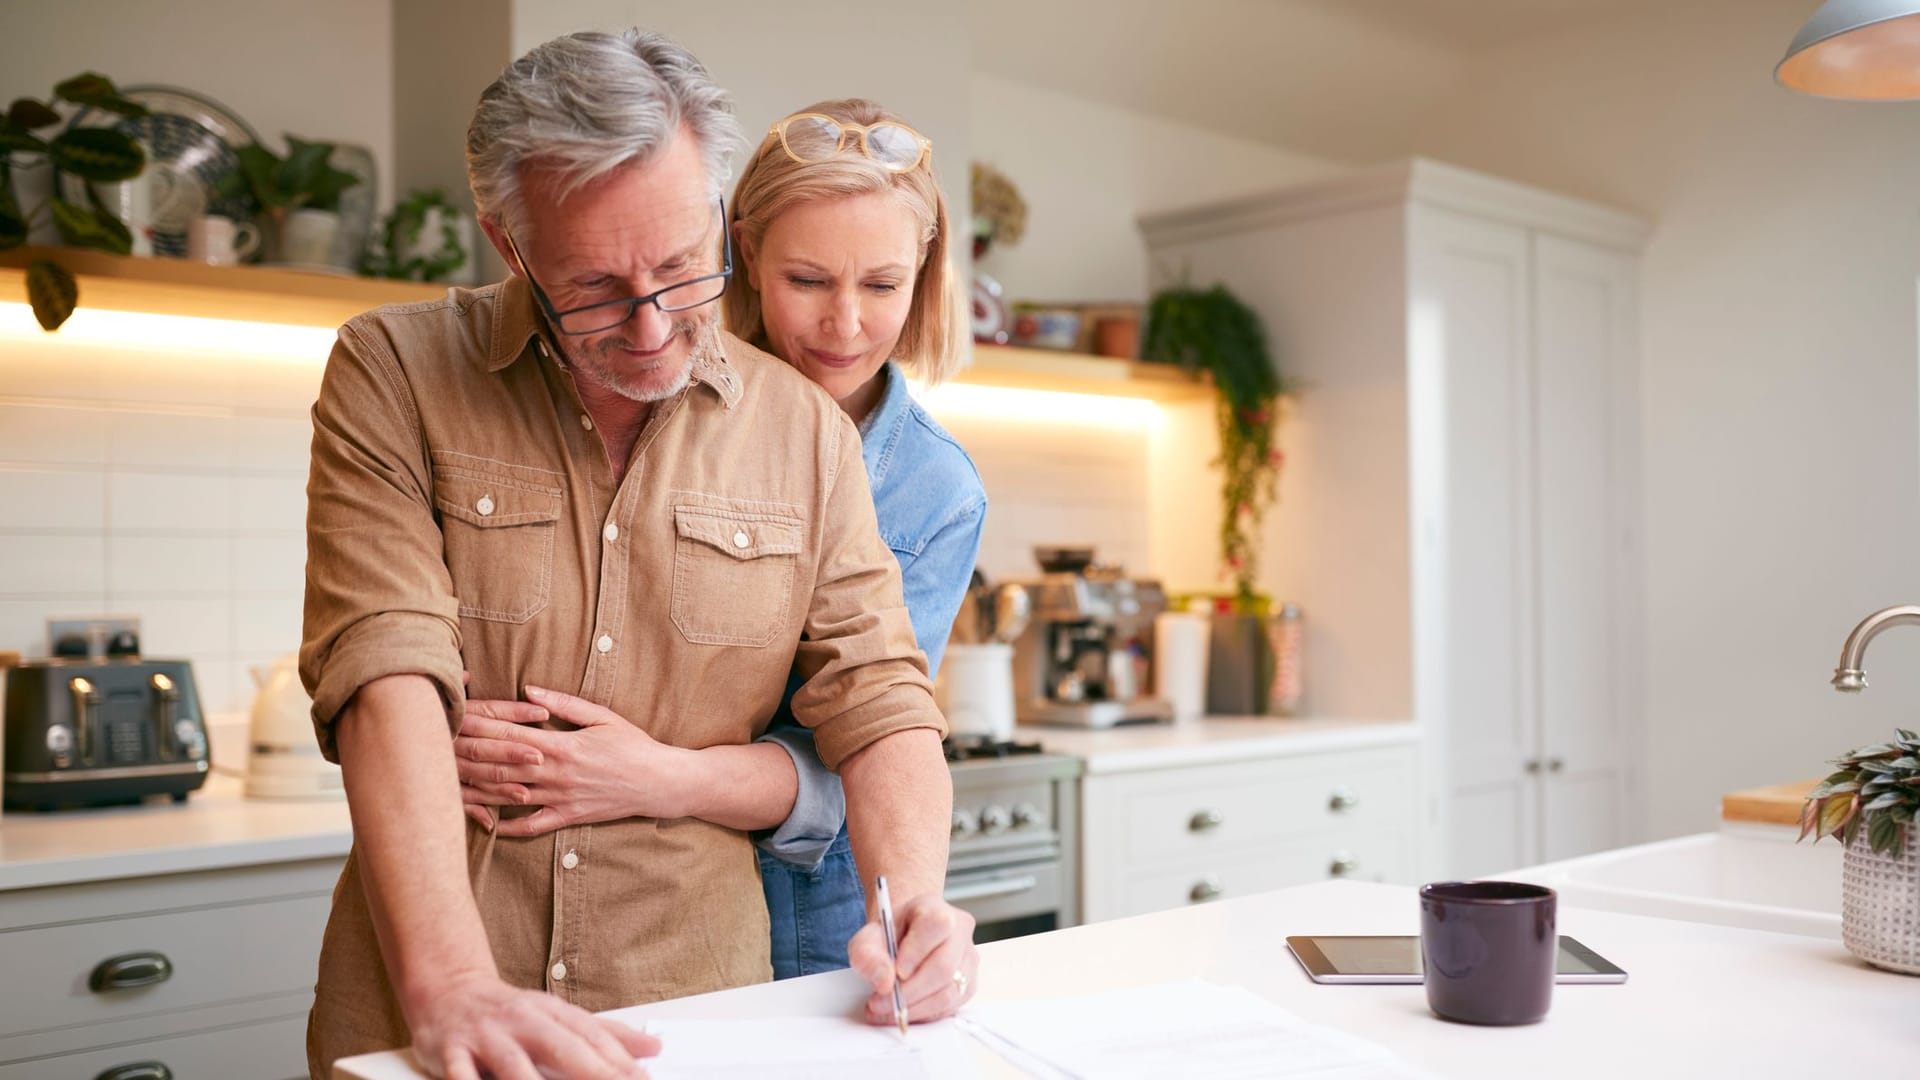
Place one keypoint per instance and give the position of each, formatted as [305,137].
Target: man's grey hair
[588,103]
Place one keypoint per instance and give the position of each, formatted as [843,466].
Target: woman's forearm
[751,788]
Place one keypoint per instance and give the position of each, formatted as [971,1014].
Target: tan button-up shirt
[462,514]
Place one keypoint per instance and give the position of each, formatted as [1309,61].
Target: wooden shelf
[1076,373]
[178,287]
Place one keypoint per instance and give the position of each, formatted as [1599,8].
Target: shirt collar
[882,426]
[519,322]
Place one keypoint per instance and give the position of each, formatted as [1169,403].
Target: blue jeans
[815,911]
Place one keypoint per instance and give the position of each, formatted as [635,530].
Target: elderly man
[574,481]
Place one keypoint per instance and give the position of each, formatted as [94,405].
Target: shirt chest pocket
[498,530]
[733,573]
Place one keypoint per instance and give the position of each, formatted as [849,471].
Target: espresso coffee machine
[1085,658]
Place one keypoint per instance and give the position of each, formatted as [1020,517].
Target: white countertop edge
[151,862]
[1216,740]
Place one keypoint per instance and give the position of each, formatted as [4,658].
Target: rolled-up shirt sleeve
[864,676]
[379,598]
[819,802]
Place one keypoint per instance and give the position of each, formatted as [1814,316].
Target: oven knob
[993,819]
[1026,814]
[964,823]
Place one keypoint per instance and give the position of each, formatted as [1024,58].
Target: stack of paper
[1193,1029]
[802,1048]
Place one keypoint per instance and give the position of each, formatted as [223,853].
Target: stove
[1013,860]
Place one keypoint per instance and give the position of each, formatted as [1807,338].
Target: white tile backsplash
[169,502]
[174,488]
[53,434]
[188,564]
[49,498]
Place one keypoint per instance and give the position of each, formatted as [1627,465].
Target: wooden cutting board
[1776,805]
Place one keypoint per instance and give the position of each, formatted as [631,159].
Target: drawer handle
[1342,865]
[139,1070]
[1342,801]
[1204,820]
[1204,890]
[129,970]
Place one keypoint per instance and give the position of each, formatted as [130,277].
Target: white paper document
[1175,1031]
[804,1048]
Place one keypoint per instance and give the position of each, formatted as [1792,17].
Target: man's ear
[497,236]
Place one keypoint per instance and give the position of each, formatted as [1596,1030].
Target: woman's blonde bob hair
[774,183]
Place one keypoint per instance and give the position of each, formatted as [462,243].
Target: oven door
[1008,900]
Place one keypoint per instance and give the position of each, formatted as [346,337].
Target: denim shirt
[931,506]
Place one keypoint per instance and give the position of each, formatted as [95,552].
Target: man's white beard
[704,335]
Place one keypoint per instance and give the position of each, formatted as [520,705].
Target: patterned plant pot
[1880,905]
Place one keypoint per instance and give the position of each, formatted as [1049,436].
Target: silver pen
[893,951]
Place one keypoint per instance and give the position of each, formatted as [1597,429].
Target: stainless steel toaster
[90,732]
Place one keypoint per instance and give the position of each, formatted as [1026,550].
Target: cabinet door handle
[1207,888]
[1555,764]
[139,1070]
[1342,801]
[1204,820]
[1533,766]
[128,970]
[1342,865]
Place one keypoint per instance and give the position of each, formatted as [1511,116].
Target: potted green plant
[1211,330]
[300,195]
[94,154]
[1868,804]
[404,246]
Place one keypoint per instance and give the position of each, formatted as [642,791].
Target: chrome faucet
[1848,678]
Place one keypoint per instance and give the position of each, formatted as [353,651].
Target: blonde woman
[842,241]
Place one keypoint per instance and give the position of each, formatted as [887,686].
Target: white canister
[975,690]
[1180,662]
[306,237]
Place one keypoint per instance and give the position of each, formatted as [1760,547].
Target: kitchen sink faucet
[1849,678]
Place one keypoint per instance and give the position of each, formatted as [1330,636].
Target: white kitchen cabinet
[241,946]
[1459,511]
[1160,837]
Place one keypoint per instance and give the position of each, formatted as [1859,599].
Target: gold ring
[960,981]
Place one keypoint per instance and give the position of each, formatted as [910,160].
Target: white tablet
[1379,958]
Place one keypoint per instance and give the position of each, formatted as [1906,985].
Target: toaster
[93,732]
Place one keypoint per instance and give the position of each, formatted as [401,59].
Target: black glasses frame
[631,303]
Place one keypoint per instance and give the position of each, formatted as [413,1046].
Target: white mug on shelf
[220,241]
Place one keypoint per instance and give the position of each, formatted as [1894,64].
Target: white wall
[320,71]
[1781,407]
[1088,170]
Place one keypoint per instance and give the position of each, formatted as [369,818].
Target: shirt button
[485,505]
[741,539]
[586,421]
[605,644]
[569,860]
[558,971]
[611,532]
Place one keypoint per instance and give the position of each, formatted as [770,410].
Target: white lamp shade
[1858,50]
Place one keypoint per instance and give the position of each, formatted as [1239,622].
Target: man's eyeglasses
[594,318]
[813,137]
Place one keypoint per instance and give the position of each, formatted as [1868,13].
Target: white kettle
[284,760]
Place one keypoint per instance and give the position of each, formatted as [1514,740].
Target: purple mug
[1489,949]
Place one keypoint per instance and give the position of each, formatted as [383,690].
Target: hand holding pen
[931,965]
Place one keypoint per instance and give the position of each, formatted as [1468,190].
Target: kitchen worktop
[217,827]
[1136,747]
[1689,1007]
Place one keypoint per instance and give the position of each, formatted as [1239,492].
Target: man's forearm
[396,759]
[750,788]
[900,812]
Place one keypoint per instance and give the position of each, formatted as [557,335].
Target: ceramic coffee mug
[220,241]
[1488,948]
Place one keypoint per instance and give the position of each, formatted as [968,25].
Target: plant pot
[32,179]
[304,238]
[1880,905]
